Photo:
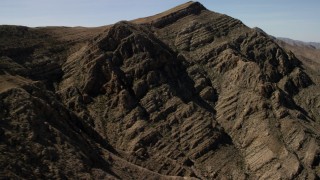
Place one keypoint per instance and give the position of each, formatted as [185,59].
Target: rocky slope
[185,94]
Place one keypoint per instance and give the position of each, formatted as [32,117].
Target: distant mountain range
[315,45]
[292,42]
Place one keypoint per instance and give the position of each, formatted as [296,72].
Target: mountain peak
[173,14]
[190,5]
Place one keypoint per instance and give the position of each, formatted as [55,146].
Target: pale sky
[295,19]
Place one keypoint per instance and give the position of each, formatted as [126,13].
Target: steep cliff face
[185,93]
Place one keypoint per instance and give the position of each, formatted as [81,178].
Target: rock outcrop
[187,93]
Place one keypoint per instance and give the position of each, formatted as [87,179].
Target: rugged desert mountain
[185,94]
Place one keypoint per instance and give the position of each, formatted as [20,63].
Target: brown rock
[208,93]
[185,94]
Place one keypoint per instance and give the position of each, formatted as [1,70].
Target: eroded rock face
[188,94]
[41,138]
